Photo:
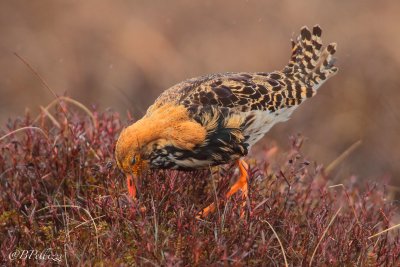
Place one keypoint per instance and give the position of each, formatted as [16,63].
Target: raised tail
[309,62]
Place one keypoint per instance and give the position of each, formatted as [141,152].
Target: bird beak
[131,181]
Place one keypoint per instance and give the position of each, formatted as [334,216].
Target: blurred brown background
[122,54]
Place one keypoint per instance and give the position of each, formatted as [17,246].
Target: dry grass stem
[24,129]
[323,235]
[348,198]
[280,242]
[342,157]
[48,114]
[384,231]
[73,102]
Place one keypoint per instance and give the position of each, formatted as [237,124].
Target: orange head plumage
[168,125]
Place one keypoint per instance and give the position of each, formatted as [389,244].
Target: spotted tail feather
[310,62]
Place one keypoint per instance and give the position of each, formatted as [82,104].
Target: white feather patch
[264,120]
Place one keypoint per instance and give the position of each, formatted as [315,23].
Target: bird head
[167,126]
[130,157]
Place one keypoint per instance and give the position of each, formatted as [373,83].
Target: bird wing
[308,68]
[239,91]
[245,92]
[237,109]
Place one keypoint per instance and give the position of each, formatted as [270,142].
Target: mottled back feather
[237,109]
[308,68]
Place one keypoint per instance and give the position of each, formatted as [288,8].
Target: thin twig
[78,207]
[86,222]
[43,81]
[155,223]
[215,189]
[323,235]
[46,85]
[348,198]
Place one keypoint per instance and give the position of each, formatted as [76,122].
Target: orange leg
[241,183]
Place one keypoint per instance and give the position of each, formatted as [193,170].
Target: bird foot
[241,184]
[206,211]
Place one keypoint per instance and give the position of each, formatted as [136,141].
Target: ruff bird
[215,119]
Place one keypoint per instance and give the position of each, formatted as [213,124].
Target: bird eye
[133,161]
